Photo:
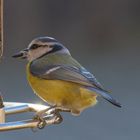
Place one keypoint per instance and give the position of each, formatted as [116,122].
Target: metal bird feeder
[8,108]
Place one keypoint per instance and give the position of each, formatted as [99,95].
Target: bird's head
[40,47]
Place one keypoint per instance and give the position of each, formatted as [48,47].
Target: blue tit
[57,78]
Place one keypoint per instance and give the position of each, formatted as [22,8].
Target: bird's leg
[62,109]
[55,111]
[39,116]
[42,112]
[57,117]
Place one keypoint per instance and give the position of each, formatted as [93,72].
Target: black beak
[20,55]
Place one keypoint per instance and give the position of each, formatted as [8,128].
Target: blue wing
[72,74]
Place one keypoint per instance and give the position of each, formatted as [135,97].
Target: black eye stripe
[35,46]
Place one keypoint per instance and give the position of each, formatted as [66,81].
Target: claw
[54,111]
[42,123]
[58,120]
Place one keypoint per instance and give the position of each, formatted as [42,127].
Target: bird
[59,79]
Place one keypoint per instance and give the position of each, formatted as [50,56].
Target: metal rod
[2,111]
[1,28]
[14,107]
[2,115]
[23,124]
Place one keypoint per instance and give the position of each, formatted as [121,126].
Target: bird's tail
[105,95]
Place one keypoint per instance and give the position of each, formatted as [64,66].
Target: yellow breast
[64,94]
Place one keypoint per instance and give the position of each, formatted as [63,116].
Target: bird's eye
[34,46]
[51,46]
[45,45]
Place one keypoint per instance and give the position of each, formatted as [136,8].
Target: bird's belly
[64,94]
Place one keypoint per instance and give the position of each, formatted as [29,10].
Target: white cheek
[29,56]
[34,54]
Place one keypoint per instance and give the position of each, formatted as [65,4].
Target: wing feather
[72,74]
[60,72]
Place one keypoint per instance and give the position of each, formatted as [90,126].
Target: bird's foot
[41,121]
[53,115]
[57,117]
[47,110]
[40,117]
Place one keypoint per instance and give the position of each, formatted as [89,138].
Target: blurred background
[104,36]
